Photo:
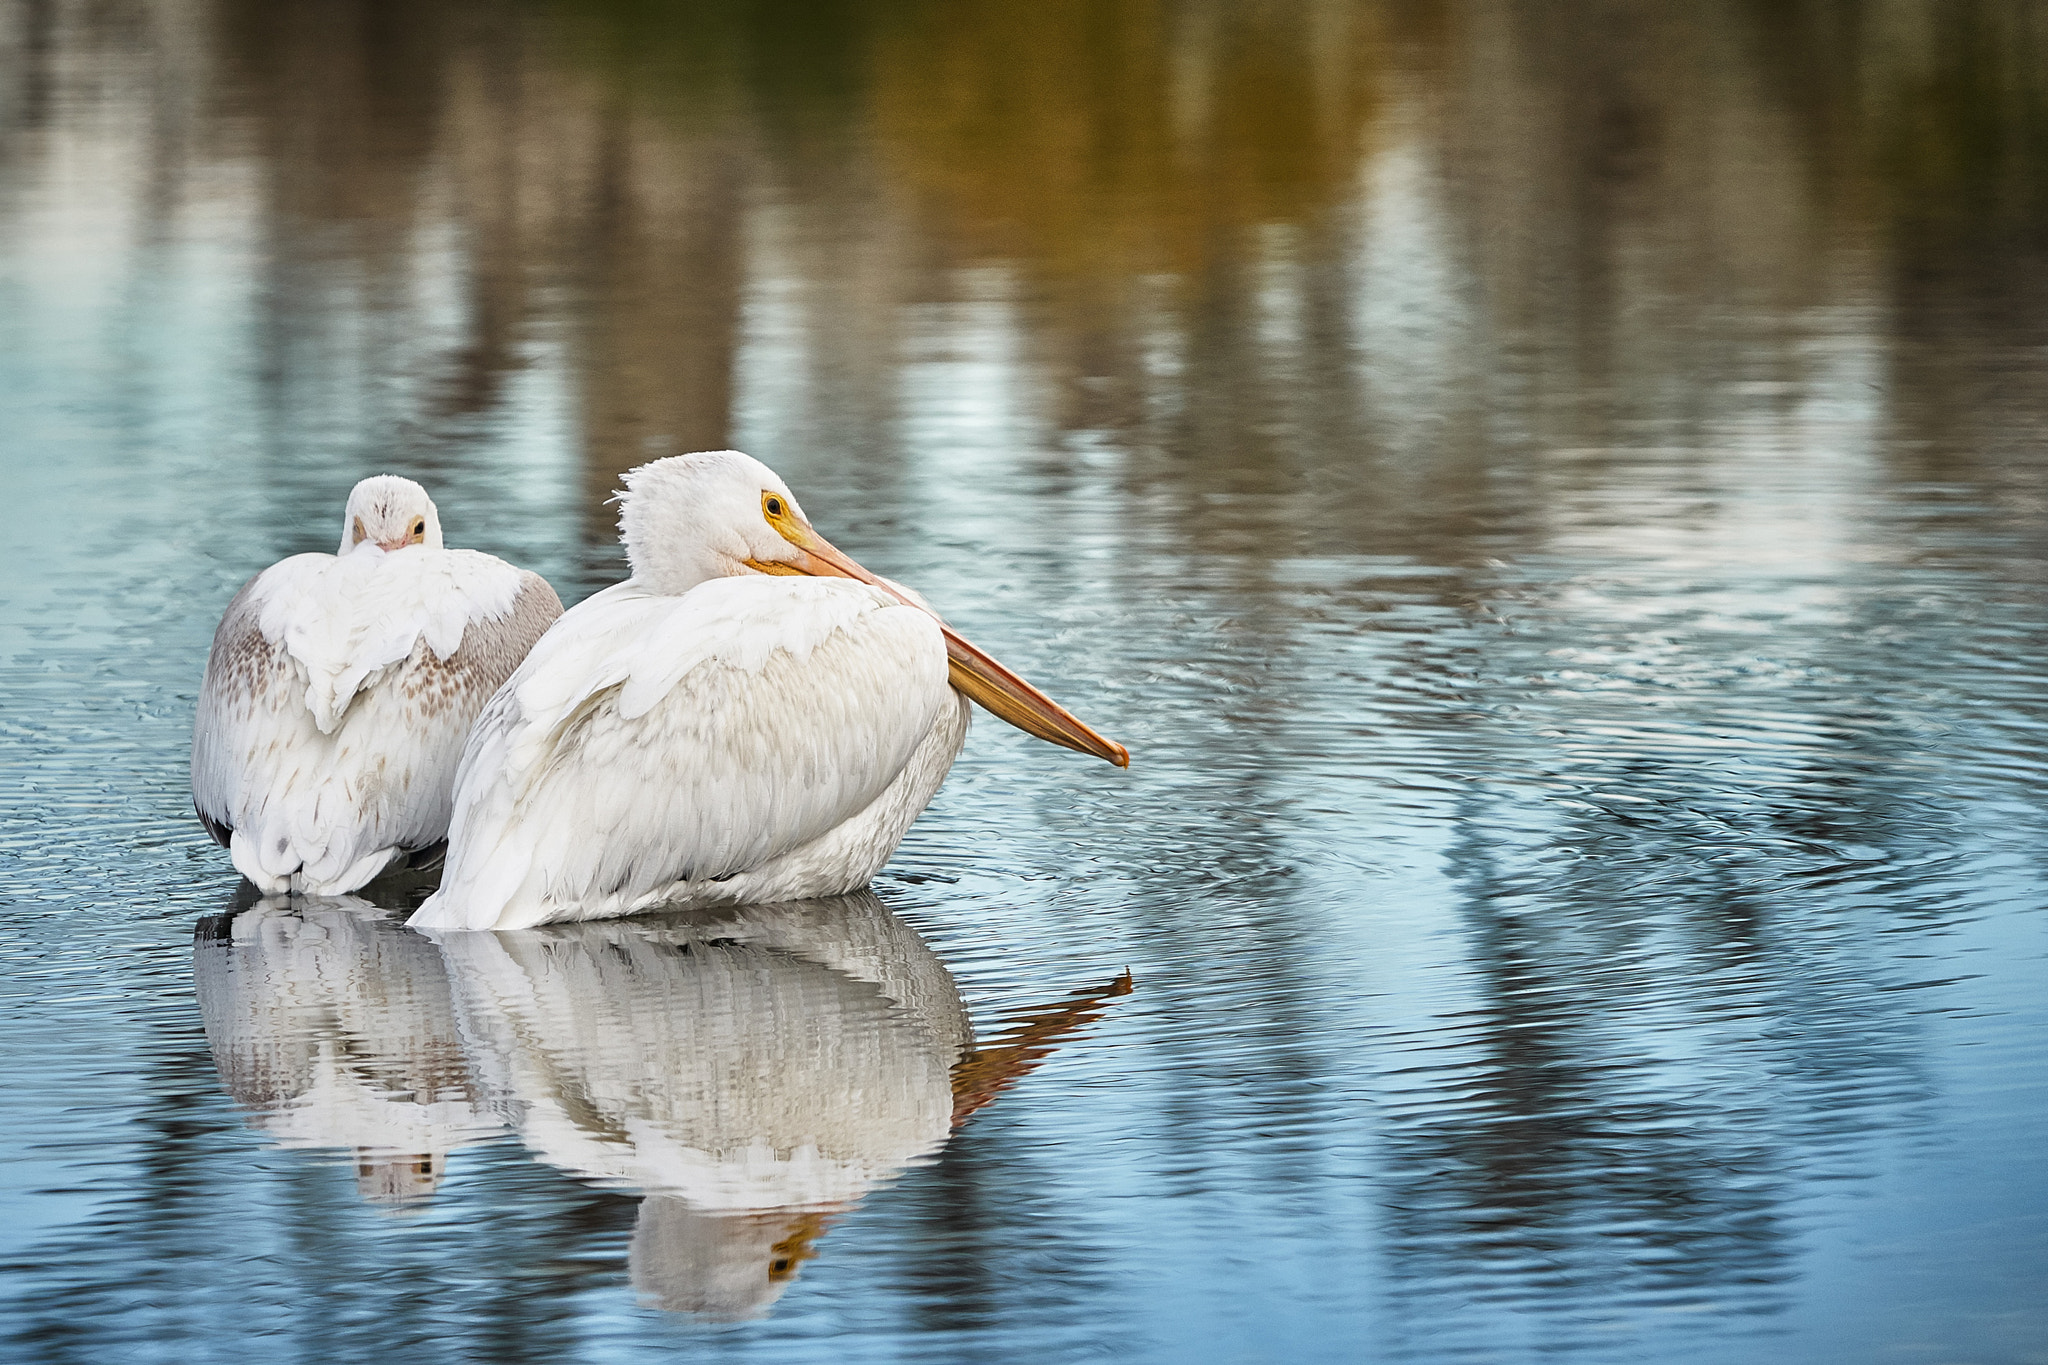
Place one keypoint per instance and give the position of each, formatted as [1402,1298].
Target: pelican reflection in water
[331,1022]
[754,1070]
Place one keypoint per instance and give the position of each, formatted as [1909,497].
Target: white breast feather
[648,739]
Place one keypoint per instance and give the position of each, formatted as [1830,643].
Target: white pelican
[339,690]
[334,1027]
[751,716]
[755,1071]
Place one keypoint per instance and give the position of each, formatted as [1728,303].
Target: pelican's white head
[390,513]
[713,514]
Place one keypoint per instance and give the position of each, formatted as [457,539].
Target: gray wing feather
[491,650]
[245,674]
[445,695]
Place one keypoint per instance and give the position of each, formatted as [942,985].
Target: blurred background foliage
[1195,205]
[1095,144]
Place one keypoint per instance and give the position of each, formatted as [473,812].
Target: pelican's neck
[672,575]
[671,564]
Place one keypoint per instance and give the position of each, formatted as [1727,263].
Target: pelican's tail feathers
[273,875]
[473,896]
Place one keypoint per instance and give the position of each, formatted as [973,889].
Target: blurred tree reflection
[1098,141]
[1330,244]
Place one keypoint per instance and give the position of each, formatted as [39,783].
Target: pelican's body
[340,688]
[723,727]
[754,739]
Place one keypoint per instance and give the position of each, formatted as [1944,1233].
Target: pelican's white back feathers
[754,738]
[337,696]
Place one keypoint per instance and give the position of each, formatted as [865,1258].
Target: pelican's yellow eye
[772,505]
[419,529]
[360,533]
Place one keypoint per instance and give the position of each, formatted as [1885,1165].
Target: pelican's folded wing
[650,740]
[252,702]
[435,699]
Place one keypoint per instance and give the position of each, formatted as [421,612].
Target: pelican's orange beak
[973,673]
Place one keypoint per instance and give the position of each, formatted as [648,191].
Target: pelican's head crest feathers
[712,514]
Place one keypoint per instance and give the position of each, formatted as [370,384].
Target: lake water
[1553,497]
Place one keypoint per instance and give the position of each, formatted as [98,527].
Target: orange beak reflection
[973,673]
